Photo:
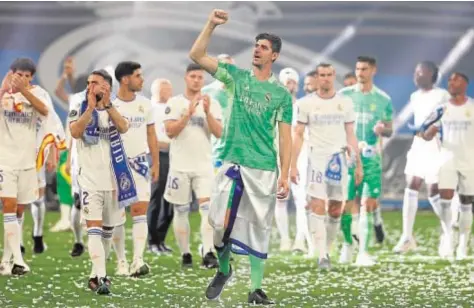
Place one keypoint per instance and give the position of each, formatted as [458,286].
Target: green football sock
[256,272]
[346,222]
[366,230]
[223,255]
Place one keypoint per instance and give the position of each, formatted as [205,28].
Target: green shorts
[371,185]
[63,181]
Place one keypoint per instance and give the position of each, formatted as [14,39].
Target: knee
[415,183]
[139,209]
[335,210]
[433,190]
[181,210]
[446,194]
[9,205]
[94,223]
[318,206]
[20,210]
[370,204]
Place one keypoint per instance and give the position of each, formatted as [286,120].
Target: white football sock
[465,224]
[281,219]
[12,229]
[181,227]
[76,224]
[355,225]
[65,211]
[410,206]
[435,203]
[7,252]
[107,241]
[446,217]
[206,228]
[317,226]
[455,208]
[38,210]
[333,225]
[20,223]
[119,242]
[96,251]
[139,235]
[378,216]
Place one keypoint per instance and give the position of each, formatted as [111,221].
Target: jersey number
[85,194]
[173,183]
[316,176]
[1,176]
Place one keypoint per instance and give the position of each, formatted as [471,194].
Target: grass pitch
[419,279]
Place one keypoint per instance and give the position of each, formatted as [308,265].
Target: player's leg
[281,221]
[153,215]
[65,195]
[299,197]
[347,220]
[20,215]
[78,248]
[38,211]
[178,193]
[455,209]
[378,224]
[466,198]
[93,208]
[166,211]
[410,207]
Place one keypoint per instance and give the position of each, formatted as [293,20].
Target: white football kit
[325,120]
[457,131]
[140,114]
[423,158]
[18,126]
[191,166]
[99,199]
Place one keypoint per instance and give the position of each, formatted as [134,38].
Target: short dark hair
[349,75]
[462,75]
[365,59]
[23,64]
[311,73]
[272,38]
[432,67]
[323,65]
[104,74]
[125,68]
[193,67]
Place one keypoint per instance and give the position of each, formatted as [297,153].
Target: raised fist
[218,17]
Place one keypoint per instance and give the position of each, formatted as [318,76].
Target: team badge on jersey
[268,97]
[373,107]
[141,109]
[73,113]
[167,110]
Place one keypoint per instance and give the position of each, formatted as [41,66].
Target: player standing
[104,176]
[190,119]
[423,158]
[259,106]
[455,120]
[140,137]
[21,110]
[329,118]
[374,110]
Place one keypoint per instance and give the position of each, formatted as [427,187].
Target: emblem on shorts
[86,210]
[73,113]
[167,110]
[339,107]
[141,109]
[268,97]
[124,182]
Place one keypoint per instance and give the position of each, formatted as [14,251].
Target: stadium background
[159,35]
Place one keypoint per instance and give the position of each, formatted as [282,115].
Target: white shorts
[142,186]
[102,205]
[460,180]
[180,185]
[42,177]
[422,164]
[19,184]
[317,183]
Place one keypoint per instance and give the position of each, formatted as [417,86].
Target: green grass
[420,279]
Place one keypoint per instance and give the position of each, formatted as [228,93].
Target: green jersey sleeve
[388,111]
[227,73]
[285,111]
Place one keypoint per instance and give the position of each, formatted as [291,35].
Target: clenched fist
[218,17]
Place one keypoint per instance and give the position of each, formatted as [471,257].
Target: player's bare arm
[20,84]
[215,126]
[284,130]
[198,52]
[119,121]
[430,133]
[384,129]
[353,143]
[78,127]
[69,157]
[152,141]
[298,139]
[6,84]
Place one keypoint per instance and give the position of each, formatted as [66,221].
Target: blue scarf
[333,172]
[140,165]
[127,193]
[91,133]
[434,117]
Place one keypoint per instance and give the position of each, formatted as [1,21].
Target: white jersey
[139,114]
[423,103]
[19,122]
[191,150]
[457,130]
[94,161]
[325,119]
[159,113]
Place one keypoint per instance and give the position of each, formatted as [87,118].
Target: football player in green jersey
[247,184]
[374,110]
